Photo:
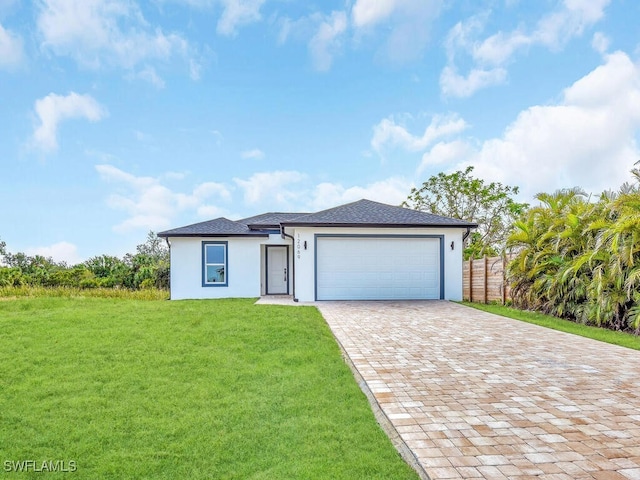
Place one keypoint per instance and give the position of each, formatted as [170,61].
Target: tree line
[147,268]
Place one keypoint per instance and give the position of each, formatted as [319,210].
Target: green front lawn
[602,334]
[188,389]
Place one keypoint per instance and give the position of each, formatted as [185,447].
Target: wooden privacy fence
[484,280]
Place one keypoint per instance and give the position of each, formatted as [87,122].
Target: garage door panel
[368,268]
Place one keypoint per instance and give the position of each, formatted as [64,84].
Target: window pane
[215,254]
[215,273]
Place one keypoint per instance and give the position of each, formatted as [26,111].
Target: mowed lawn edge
[621,339]
[184,389]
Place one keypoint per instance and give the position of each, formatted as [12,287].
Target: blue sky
[123,116]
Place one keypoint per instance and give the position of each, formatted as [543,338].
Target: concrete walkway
[474,395]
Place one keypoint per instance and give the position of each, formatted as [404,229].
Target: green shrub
[147,283]
[89,283]
[11,277]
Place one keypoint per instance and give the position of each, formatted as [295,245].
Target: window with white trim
[214,264]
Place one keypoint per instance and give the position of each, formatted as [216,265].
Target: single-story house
[363,250]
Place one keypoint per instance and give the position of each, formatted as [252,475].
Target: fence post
[471,278]
[504,279]
[486,278]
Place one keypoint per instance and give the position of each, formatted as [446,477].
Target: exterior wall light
[452,245]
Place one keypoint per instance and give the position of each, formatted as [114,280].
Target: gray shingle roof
[270,219]
[220,227]
[365,213]
[370,213]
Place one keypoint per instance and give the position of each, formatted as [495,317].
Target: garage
[379,267]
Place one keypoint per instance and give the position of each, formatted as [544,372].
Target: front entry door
[277,270]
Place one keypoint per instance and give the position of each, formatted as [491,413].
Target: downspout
[466,235]
[293,260]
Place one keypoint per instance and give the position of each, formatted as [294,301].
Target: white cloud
[218,136]
[491,55]
[367,13]
[445,153]
[272,187]
[254,154]
[398,30]
[284,29]
[600,42]
[53,109]
[60,252]
[455,85]
[301,29]
[211,211]
[392,191]
[588,139]
[237,13]
[142,136]
[388,133]
[195,70]
[569,21]
[326,43]
[499,48]
[405,22]
[462,38]
[149,74]
[99,33]
[324,34]
[293,191]
[212,189]
[11,49]
[151,205]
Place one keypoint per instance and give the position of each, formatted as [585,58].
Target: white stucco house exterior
[363,250]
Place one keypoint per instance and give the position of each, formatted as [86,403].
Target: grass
[608,336]
[73,292]
[222,389]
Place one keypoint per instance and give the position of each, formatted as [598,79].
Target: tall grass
[74,292]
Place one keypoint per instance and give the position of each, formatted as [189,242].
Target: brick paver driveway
[474,395]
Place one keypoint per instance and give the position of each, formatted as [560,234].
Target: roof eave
[212,235]
[263,226]
[379,225]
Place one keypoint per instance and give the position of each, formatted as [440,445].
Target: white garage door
[377,268]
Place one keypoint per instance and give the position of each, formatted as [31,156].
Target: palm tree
[545,242]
